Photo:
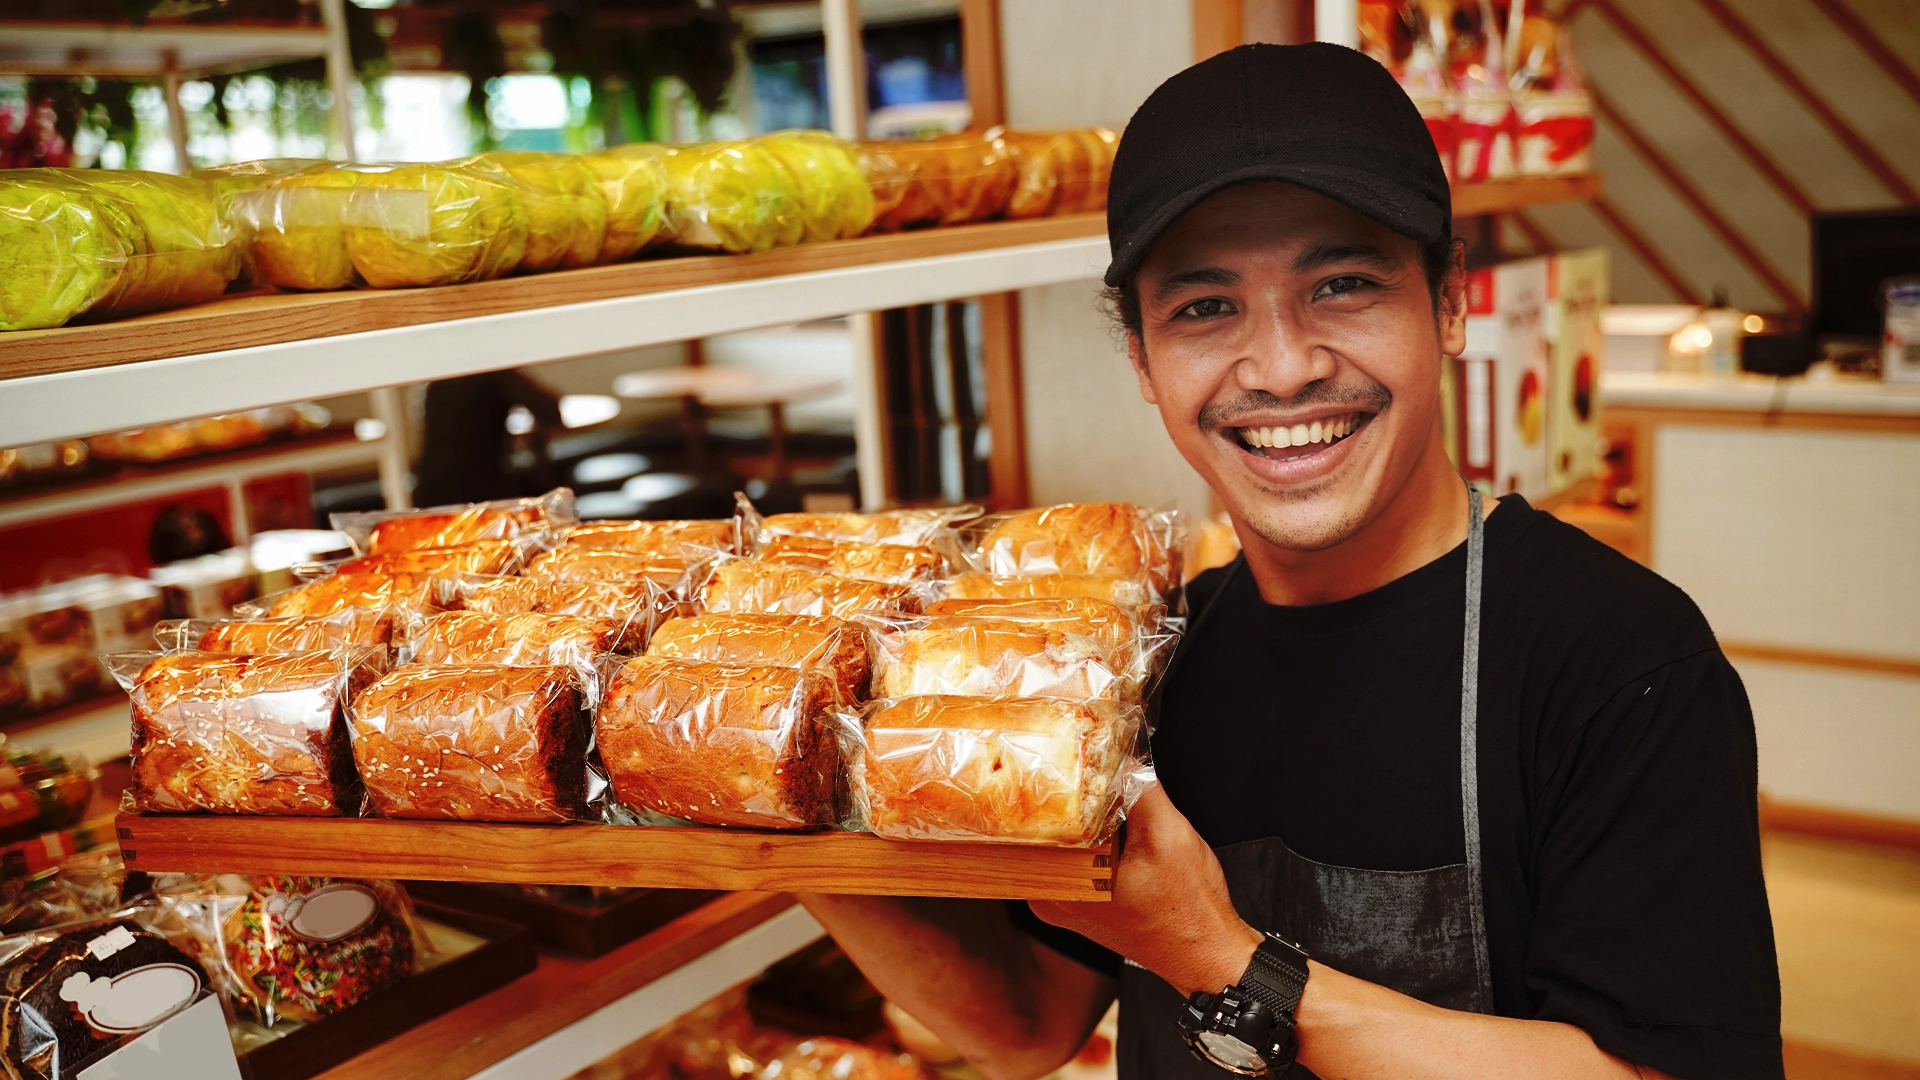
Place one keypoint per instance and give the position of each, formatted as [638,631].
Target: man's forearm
[961,967]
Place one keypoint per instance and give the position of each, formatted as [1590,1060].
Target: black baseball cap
[1322,116]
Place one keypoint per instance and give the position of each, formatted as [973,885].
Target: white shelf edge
[594,1036]
[97,496]
[101,734]
[1758,393]
[39,408]
[32,47]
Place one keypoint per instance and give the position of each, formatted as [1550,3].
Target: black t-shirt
[1618,815]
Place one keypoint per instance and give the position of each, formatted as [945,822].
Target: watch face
[1231,1054]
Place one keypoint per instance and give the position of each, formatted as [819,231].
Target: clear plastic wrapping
[60,252]
[830,194]
[750,585]
[1056,172]
[477,743]
[380,531]
[412,225]
[477,557]
[912,528]
[638,605]
[464,638]
[566,212]
[1102,620]
[950,179]
[1104,539]
[571,563]
[340,593]
[1019,770]
[836,646]
[633,185]
[72,994]
[353,630]
[298,227]
[674,538]
[287,948]
[239,734]
[983,657]
[1126,592]
[181,249]
[731,197]
[897,563]
[723,744]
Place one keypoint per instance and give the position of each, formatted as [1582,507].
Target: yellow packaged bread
[633,184]
[299,227]
[59,252]
[830,193]
[1056,173]
[730,197]
[433,225]
[181,248]
[566,213]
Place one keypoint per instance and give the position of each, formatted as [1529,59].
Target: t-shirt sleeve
[1083,951]
[1651,929]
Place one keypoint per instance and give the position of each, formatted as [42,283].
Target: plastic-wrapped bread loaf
[1102,620]
[237,734]
[803,641]
[915,528]
[1056,173]
[381,531]
[348,630]
[955,654]
[655,537]
[1029,770]
[951,179]
[1077,538]
[476,557]
[481,743]
[339,593]
[1125,592]
[572,563]
[461,638]
[723,744]
[752,585]
[638,604]
[898,563]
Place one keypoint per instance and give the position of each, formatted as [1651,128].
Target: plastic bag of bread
[927,527]
[655,537]
[379,531]
[1021,770]
[73,994]
[241,734]
[977,657]
[831,195]
[479,743]
[952,179]
[1102,144]
[352,630]
[340,593]
[753,585]
[288,948]
[297,224]
[1105,539]
[800,641]
[60,251]
[413,225]
[640,605]
[566,212]
[723,744]
[570,563]
[1104,621]
[1126,592]
[181,249]
[465,638]
[896,563]
[633,184]
[474,557]
[827,1058]
[1056,173]
[730,197]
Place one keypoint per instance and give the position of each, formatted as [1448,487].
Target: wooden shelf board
[1502,196]
[691,858]
[252,320]
[560,993]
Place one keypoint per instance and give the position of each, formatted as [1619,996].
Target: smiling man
[1448,789]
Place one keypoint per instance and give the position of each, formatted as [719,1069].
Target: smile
[1288,442]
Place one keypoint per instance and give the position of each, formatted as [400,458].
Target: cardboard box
[1577,296]
[1500,381]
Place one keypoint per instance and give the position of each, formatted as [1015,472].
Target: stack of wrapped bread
[927,674]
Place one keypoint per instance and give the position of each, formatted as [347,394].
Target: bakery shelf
[102,49]
[246,351]
[570,1013]
[669,858]
[1505,196]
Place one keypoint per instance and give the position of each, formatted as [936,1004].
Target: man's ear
[1137,353]
[1451,311]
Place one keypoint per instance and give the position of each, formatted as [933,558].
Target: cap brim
[1392,205]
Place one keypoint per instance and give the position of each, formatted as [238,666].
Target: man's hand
[1170,912]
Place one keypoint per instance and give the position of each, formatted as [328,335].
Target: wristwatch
[1248,1028]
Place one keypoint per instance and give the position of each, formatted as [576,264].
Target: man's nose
[1280,356]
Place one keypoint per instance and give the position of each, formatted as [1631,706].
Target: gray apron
[1421,932]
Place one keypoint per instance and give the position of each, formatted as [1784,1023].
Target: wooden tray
[593,930]
[735,860]
[330,1040]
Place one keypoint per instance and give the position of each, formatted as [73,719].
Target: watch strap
[1276,977]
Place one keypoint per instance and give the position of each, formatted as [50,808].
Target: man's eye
[1341,286]
[1208,308]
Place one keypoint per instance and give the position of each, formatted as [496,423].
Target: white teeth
[1280,438]
[1315,431]
[1299,434]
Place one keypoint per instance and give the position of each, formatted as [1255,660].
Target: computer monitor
[1853,252]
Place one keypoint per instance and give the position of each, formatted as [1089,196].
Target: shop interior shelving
[154,52]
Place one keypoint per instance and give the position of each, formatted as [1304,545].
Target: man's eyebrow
[1332,252]
[1205,275]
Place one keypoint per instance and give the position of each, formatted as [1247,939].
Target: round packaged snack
[303,947]
[187,253]
[566,212]
[731,197]
[831,195]
[434,225]
[633,184]
[300,229]
[59,253]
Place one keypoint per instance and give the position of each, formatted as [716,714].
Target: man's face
[1293,349]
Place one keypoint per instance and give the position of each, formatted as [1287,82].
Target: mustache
[1372,397]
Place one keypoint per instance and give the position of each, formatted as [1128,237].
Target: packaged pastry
[181,249]
[297,227]
[913,528]
[655,537]
[1126,592]
[803,641]
[380,531]
[1086,616]
[974,657]
[288,948]
[1102,144]
[637,603]
[1118,539]
[952,179]
[478,743]
[633,184]
[352,629]
[897,563]
[1056,173]
[414,225]
[338,593]
[63,252]
[1023,770]
[72,994]
[240,734]
[475,557]
[730,196]
[570,563]
[566,213]
[753,585]
[831,197]
[723,744]
[464,638]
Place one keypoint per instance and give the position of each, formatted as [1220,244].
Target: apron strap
[1470,744]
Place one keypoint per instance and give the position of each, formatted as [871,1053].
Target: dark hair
[1436,258]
